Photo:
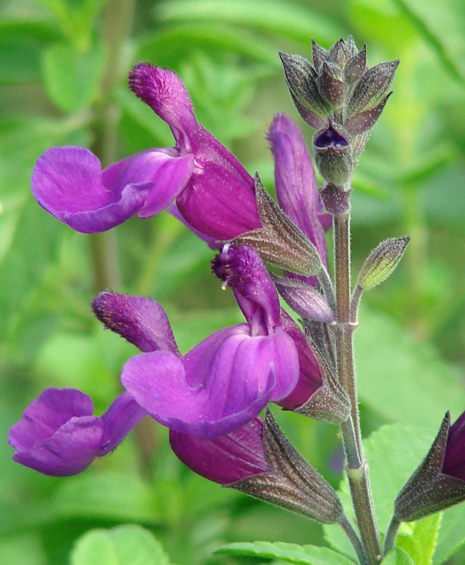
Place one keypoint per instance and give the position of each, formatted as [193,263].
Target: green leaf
[124,545]
[73,77]
[169,46]
[288,20]
[393,369]
[398,556]
[112,495]
[442,28]
[393,453]
[20,45]
[418,539]
[288,552]
[451,535]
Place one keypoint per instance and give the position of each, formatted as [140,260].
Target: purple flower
[439,481]
[226,459]
[59,436]
[296,184]
[213,192]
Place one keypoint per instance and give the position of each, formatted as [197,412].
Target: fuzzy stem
[391,534]
[354,539]
[357,469]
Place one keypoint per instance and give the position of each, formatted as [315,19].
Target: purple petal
[165,168]
[120,418]
[309,371]
[164,92]
[454,460]
[69,183]
[70,450]
[212,242]
[140,320]
[218,386]
[296,184]
[45,415]
[226,459]
[243,270]
[219,200]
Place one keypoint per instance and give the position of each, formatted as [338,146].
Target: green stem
[357,469]
[354,540]
[391,534]
[117,24]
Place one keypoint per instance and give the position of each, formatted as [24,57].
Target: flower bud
[439,481]
[292,483]
[304,299]
[331,86]
[372,88]
[333,153]
[356,66]
[301,81]
[382,262]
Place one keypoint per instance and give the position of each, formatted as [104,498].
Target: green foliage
[63,80]
[124,545]
[287,552]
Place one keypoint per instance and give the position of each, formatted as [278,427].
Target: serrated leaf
[287,552]
[393,369]
[124,545]
[73,77]
[398,556]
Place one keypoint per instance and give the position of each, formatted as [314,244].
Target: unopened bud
[372,88]
[382,262]
[331,85]
[439,481]
[301,81]
[356,66]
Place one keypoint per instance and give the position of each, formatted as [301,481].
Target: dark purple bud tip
[331,138]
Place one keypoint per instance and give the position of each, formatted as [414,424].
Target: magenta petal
[296,184]
[70,450]
[218,386]
[42,418]
[120,418]
[165,93]
[140,320]
[67,182]
[226,459]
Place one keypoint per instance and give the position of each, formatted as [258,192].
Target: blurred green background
[63,71]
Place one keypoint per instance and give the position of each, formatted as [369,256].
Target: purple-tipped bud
[372,88]
[331,85]
[356,66]
[333,153]
[439,481]
[301,80]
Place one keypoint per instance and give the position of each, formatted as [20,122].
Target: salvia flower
[212,190]
[439,481]
[58,434]
[228,378]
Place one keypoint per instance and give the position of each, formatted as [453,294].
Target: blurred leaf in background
[63,76]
